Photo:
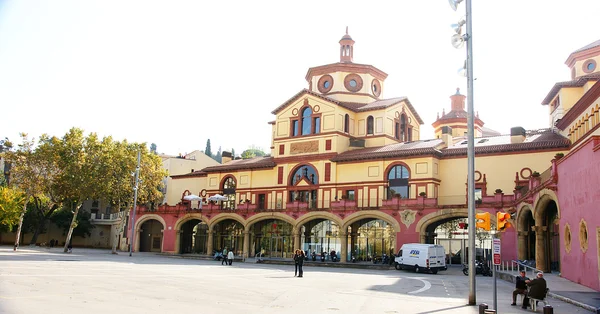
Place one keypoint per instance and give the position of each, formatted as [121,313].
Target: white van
[421,257]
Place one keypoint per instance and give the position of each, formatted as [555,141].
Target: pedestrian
[52,243]
[520,287]
[300,263]
[537,289]
[224,260]
[296,257]
[230,257]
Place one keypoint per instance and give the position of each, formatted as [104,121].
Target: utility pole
[135,194]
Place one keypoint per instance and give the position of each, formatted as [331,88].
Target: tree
[11,201]
[208,151]
[450,227]
[153,148]
[219,156]
[232,153]
[63,217]
[253,151]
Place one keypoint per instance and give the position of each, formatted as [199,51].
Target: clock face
[325,83]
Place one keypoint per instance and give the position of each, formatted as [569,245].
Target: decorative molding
[408,217]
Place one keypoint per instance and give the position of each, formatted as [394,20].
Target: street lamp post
[135,194]
[457,41]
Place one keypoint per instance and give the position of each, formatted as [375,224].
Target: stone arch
[224,216]
[521,210]
[363,214]
[541,200]
[317,215]
[262,216]
[138,226]
[525,236]
[181,221]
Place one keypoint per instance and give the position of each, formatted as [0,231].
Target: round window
[376,87]
[353,83]
[326,84]
[589,66]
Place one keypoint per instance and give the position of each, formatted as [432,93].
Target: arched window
[370,123]
[347,123]
[403,128]
[229,192]
[306,127]
[397,130]
[304,193]
[398,182]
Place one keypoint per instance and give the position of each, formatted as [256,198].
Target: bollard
[490,312]
[482,308]
[548,309]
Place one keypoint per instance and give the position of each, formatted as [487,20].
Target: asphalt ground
[95,281]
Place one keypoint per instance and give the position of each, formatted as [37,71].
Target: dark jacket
[296,257]
[300,259]
[537,288]
[521,283]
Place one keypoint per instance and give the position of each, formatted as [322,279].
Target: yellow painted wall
[178,186]
[194,161]
[579,66]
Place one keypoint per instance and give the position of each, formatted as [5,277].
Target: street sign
[496,251]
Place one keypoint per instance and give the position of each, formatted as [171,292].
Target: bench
[534,301]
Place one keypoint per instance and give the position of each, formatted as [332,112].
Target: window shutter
[328,145]
[328,171]
[280,175]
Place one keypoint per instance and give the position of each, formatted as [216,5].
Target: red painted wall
[508,245]
[578,198]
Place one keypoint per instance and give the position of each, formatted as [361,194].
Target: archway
[272,237]
[229,234]
[547,249]
[526,235]
[321,237]
[370,238]
[150,236]
[193,237]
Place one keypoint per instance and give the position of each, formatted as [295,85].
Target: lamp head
[454,4]
[458,41]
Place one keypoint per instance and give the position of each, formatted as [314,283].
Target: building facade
[348,172]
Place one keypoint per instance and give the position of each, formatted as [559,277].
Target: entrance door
[276,247]
[155,244]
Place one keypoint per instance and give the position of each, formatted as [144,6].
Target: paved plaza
[89,281]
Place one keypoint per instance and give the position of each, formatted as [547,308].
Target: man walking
[224,260]
[520,287]
[230,257]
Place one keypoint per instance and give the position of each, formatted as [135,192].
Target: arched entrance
[150,236]
[526,235]
[229,234]
[193,237]
[273,238]
[321,236]
[547,249]
[370,238]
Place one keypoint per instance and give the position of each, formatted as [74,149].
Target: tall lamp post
[458,40]
[135,194]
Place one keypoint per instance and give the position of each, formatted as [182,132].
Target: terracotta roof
[578,82]
[243,164]
[416,148]
[534,140]
[198,173]
[571,58]
[346,67]
[454,114]
[353,106]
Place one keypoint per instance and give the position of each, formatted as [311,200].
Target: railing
[112,216]
[546,175]
[513,266]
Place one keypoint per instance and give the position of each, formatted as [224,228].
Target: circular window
[325,84]
[376,88]
[567,238]
[583,236]
[353,82]
[589,66]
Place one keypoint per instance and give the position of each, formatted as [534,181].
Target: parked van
[421,257]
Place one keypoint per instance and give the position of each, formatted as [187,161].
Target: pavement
[36,280]
[564,290]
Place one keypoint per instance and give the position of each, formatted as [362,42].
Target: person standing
[300,263]
[230,257]
[537,289]
[224,260]
[296,257]
[520,287]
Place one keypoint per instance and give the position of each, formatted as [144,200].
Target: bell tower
[346,48]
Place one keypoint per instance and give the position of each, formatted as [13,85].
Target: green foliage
[252,152]
[11,204]
[232,153]
[83,227]
[153,148]
[208,151]
[219,156]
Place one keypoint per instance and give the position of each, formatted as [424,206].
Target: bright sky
[175,73]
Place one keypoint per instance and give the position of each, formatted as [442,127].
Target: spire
[346,48]
[458,101]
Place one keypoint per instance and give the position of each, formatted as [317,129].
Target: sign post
[496,255]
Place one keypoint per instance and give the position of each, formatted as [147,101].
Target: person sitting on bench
[537,289]
[520,287]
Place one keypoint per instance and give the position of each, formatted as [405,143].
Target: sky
[177,73]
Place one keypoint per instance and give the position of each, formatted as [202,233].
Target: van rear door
[437,256]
